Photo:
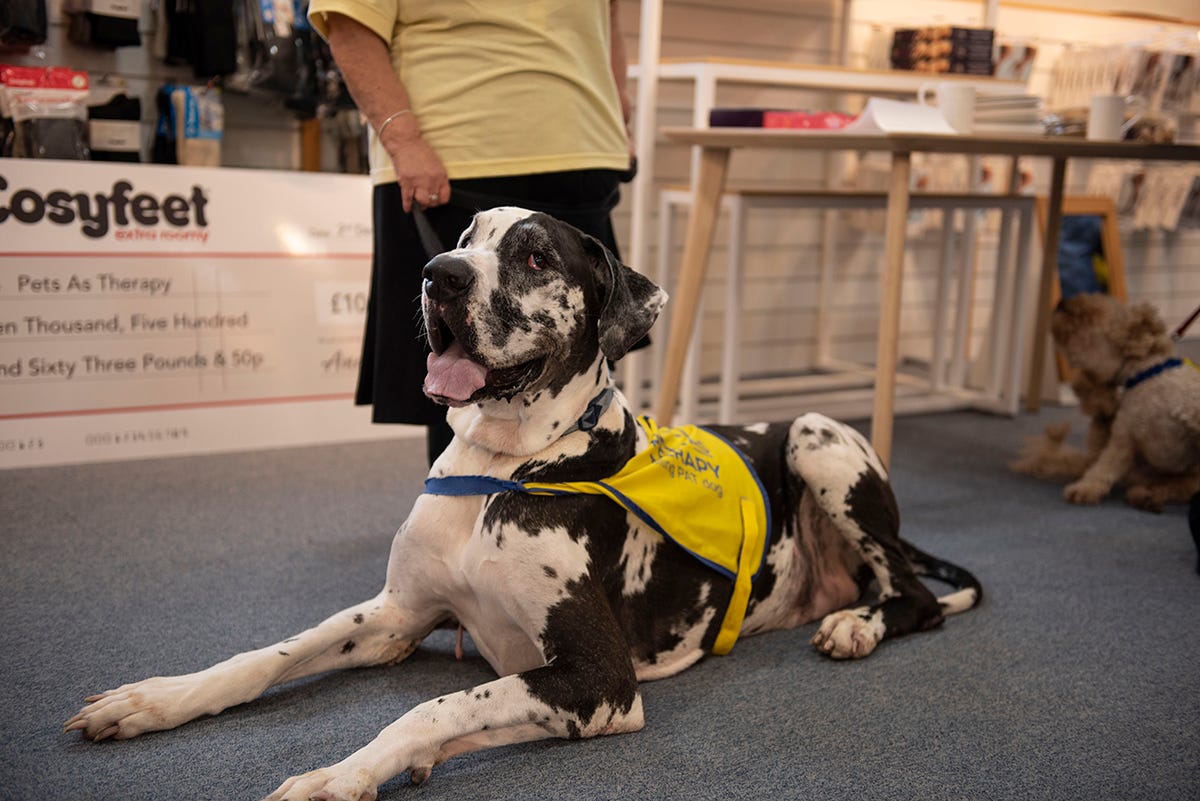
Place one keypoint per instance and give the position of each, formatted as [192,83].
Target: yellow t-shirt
[691,486]
[499,88]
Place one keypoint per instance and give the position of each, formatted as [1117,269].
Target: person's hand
[419,172]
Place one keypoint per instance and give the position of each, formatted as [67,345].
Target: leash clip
[591,415]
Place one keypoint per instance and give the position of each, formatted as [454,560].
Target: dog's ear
[630,301]
[1143,333]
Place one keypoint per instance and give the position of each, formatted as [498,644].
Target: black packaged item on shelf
[777,118]
[103,23]
[113,31]
[305,98]
[23,22]
[115,130]
[50,138]
[736,117]
[47,109]
[214,44]
[178,41]
[163,149]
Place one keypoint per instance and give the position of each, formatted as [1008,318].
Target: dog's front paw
[1085,492]
[335,783]
[1145,498]
[150,705]
[849,634]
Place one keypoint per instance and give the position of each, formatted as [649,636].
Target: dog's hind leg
[1149,490]
[848,481]
[374,632]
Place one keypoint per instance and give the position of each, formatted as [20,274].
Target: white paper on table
[896,116]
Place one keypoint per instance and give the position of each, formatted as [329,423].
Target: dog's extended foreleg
[552,701]
[373,632]
[1110,467]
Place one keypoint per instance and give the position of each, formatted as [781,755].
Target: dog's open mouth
[454,378]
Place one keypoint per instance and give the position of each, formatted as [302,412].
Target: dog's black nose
[447,277]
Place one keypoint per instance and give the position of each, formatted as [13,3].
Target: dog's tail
[968,592]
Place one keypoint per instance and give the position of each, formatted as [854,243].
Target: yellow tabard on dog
[689,485]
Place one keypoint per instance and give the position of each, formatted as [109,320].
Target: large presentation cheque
[152,310]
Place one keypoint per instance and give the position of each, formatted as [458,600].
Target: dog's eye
[536,261]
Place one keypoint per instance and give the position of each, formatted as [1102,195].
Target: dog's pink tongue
[452,375]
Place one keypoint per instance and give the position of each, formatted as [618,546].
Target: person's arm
[620,69]
[366,65]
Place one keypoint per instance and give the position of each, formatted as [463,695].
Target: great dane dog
[572,598]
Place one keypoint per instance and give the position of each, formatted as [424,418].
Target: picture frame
[1110,244]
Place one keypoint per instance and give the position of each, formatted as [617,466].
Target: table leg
[1041,329]
[685,298]
[999,335]
[888,348]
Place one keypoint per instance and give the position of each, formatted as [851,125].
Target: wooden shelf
[817,76]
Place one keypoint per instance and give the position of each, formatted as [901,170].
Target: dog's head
[1105,338]
[526,302]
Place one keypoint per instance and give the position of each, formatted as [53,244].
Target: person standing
[472,105]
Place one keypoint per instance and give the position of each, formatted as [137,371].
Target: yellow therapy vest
[689,485]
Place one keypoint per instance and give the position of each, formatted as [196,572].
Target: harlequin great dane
[572,597]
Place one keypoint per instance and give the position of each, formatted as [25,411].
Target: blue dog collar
[1150,372]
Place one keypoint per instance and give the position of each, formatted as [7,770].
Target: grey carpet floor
[1077,678]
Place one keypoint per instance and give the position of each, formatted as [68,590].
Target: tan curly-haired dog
[1153,446]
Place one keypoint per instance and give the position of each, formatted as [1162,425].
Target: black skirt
[394,348]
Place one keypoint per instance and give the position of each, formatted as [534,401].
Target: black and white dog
[571,598]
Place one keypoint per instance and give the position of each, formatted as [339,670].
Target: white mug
[956,101]
[1106,118]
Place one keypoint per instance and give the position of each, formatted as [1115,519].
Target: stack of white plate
[1008,114]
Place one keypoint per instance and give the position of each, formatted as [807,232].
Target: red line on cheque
[175,255]
[171,407]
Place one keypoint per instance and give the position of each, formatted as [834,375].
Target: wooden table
[716,145]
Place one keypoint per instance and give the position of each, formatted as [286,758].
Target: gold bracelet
[384,124]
